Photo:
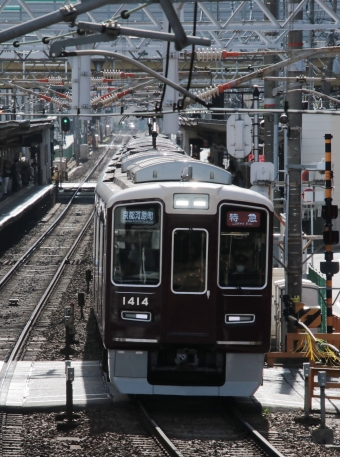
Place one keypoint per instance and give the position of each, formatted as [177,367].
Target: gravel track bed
[47,340]
[107,433]
[31,235]
[294,439]
[33,276]
[116,432]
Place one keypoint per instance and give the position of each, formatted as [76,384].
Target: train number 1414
[135,301]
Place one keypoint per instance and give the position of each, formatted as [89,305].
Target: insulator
[211,92]
[60,103]
[97,80]
[56,80]
[188,101]
[106,88]
[208,55]
[112,74]
[107,100]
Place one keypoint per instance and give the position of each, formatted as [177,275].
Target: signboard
[243,218]
[308,195]
[143,217]
[239,141]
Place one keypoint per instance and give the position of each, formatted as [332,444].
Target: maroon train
[182,274]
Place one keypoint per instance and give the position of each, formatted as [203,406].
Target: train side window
[96,246]
[137,244]
[189,261]
[242,247]
[101,248]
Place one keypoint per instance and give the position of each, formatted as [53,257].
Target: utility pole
[269,99]
[14,109]
[294,209]
[326,86]
[170,121]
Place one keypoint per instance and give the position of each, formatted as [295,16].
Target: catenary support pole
[294,229]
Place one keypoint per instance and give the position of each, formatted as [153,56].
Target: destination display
[243,218]
[137,216]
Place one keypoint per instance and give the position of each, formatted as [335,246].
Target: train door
[99,256]
[190,304]
[96,263]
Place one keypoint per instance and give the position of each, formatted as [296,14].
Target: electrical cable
[315,348]
[192,51]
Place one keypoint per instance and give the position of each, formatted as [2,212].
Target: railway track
[25,289]
[201,427]
[26,286]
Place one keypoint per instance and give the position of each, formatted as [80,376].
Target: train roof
[112,193]
[149,168]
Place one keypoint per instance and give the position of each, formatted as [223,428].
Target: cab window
[136,244]
[242,247]
[189,261]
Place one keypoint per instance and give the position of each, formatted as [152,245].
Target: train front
[188,289]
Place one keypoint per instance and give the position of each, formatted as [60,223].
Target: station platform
[41,386]
[16,205]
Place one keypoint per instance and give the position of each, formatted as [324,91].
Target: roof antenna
[154,133]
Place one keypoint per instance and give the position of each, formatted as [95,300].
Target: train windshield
[243,252]
[189,261]
[136,244]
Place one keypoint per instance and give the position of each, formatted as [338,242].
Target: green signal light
[65,124]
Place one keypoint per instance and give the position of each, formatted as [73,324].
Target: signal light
[65,124]
[331,237]
[329,268]
[329,212]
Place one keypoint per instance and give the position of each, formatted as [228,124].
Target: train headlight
[181,202]
[136,316]
[191,201]
[200,202]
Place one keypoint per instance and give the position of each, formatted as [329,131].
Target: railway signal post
[330,237]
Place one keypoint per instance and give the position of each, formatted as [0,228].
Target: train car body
[182,274]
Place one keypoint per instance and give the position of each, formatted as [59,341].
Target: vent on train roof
[154,161]
[132,159]
[168,169]
[158,151]
[148,142]
[109,176]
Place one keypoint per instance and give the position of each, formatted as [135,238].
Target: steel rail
[260,440]
[158,433]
